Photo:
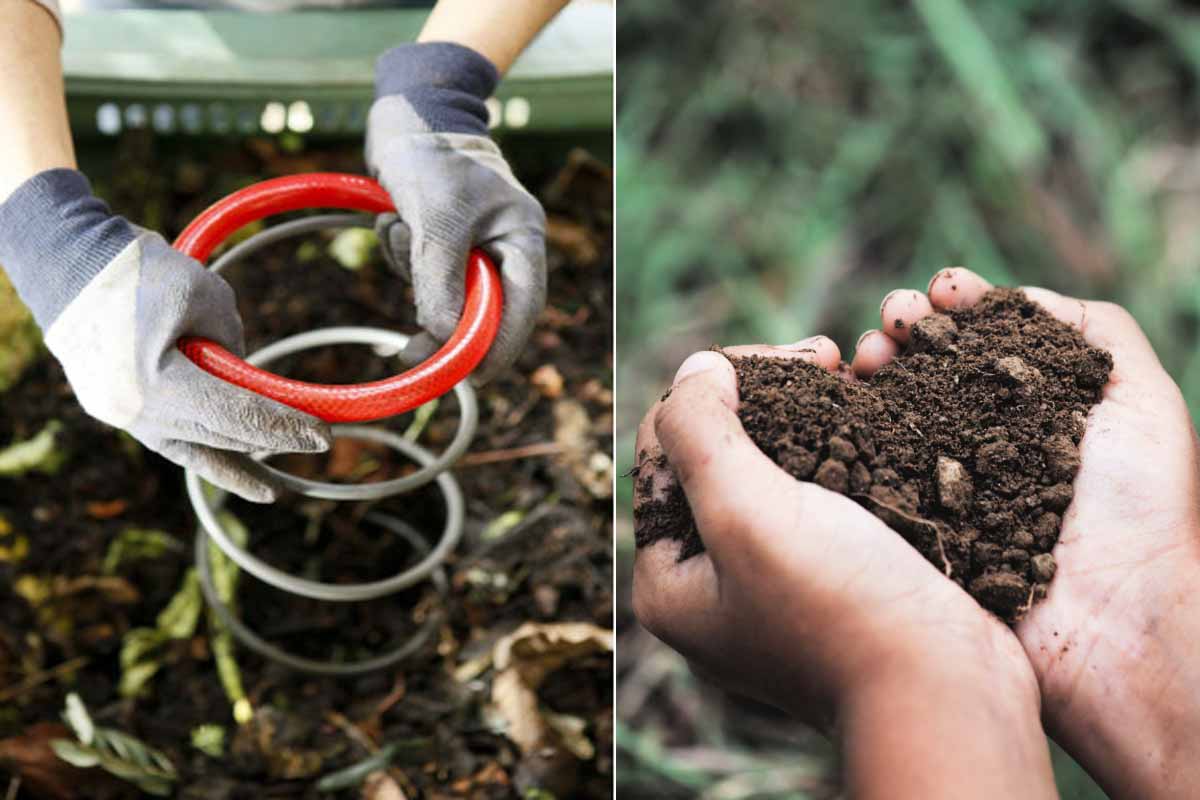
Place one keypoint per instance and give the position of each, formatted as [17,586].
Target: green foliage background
[782,165]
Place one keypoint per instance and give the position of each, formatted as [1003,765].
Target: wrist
[443,87]
[55,237]
[943,726]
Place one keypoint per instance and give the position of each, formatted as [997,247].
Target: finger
[522,262]
[900,310]
[1107,326]
[439,282]
[395,240]
[675,600]
[819,350]
[956,287]
[1065,309]
[419,348]
[874,349]
[668,595]
[229,471]
[653,478]
[199,407]
[722,472]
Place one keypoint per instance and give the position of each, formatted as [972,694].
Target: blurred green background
[782,165]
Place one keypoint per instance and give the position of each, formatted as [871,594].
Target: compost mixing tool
[343,405]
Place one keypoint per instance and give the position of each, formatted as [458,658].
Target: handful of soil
[966,444]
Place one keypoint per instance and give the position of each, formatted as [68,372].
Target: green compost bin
[188,72]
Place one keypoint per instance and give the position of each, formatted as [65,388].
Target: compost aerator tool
[444,371]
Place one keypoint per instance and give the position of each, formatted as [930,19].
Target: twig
[513,453]
[352,731]
[399,689]
[38,678]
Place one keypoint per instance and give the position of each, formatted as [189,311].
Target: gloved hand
[428,144]
[112,300]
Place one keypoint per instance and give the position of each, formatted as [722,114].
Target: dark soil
[966,444]
[553,565]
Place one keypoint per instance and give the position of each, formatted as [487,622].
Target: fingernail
[697,363]
[864,336]
[887,297]
[941,273]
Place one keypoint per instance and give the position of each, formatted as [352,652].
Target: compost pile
[966,444]
[513,692]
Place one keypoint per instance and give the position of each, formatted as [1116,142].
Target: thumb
[395,240]
[723,473]
[439,268]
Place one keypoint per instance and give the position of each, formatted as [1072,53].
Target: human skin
[497,30]
[1113,645]
[34,134]
[804,600]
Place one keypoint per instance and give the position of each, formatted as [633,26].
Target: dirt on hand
[966,444]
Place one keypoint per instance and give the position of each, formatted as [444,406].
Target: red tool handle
[360,402]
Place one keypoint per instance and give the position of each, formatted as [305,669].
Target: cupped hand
[1113,642]
[801,598]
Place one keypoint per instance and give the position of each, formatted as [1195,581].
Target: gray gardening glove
[428,144]
[112,300]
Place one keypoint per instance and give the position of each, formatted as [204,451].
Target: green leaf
[74,754]
[115,752]
[138,544]
[225,579]
[39,454]
[78,719]
[352,247]
[502,524]
[178,620]
[209,739]
[136,677]
[421,419]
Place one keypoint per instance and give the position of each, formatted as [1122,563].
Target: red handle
[360,402]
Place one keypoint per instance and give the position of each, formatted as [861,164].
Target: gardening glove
[428,145]
[113,300]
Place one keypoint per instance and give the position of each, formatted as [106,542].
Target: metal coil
[433,468]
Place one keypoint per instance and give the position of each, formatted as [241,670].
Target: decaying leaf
[20,339]
[107,509]
[352,248]
[13,546]
[142,648]
[590,466]
[60,601]
[42,453]
[31,757]
[421,418]
[209,739]
[136,544]
[502,524]
[548,381]
[381,786]
[117,753]
[523,660]
[225,578]
[572,731]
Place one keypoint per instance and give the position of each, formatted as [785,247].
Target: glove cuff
[55,236]
[446,84]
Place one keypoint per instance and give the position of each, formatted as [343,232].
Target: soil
[966,444]
[552,561]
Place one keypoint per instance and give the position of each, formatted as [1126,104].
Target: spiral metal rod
[433,468]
